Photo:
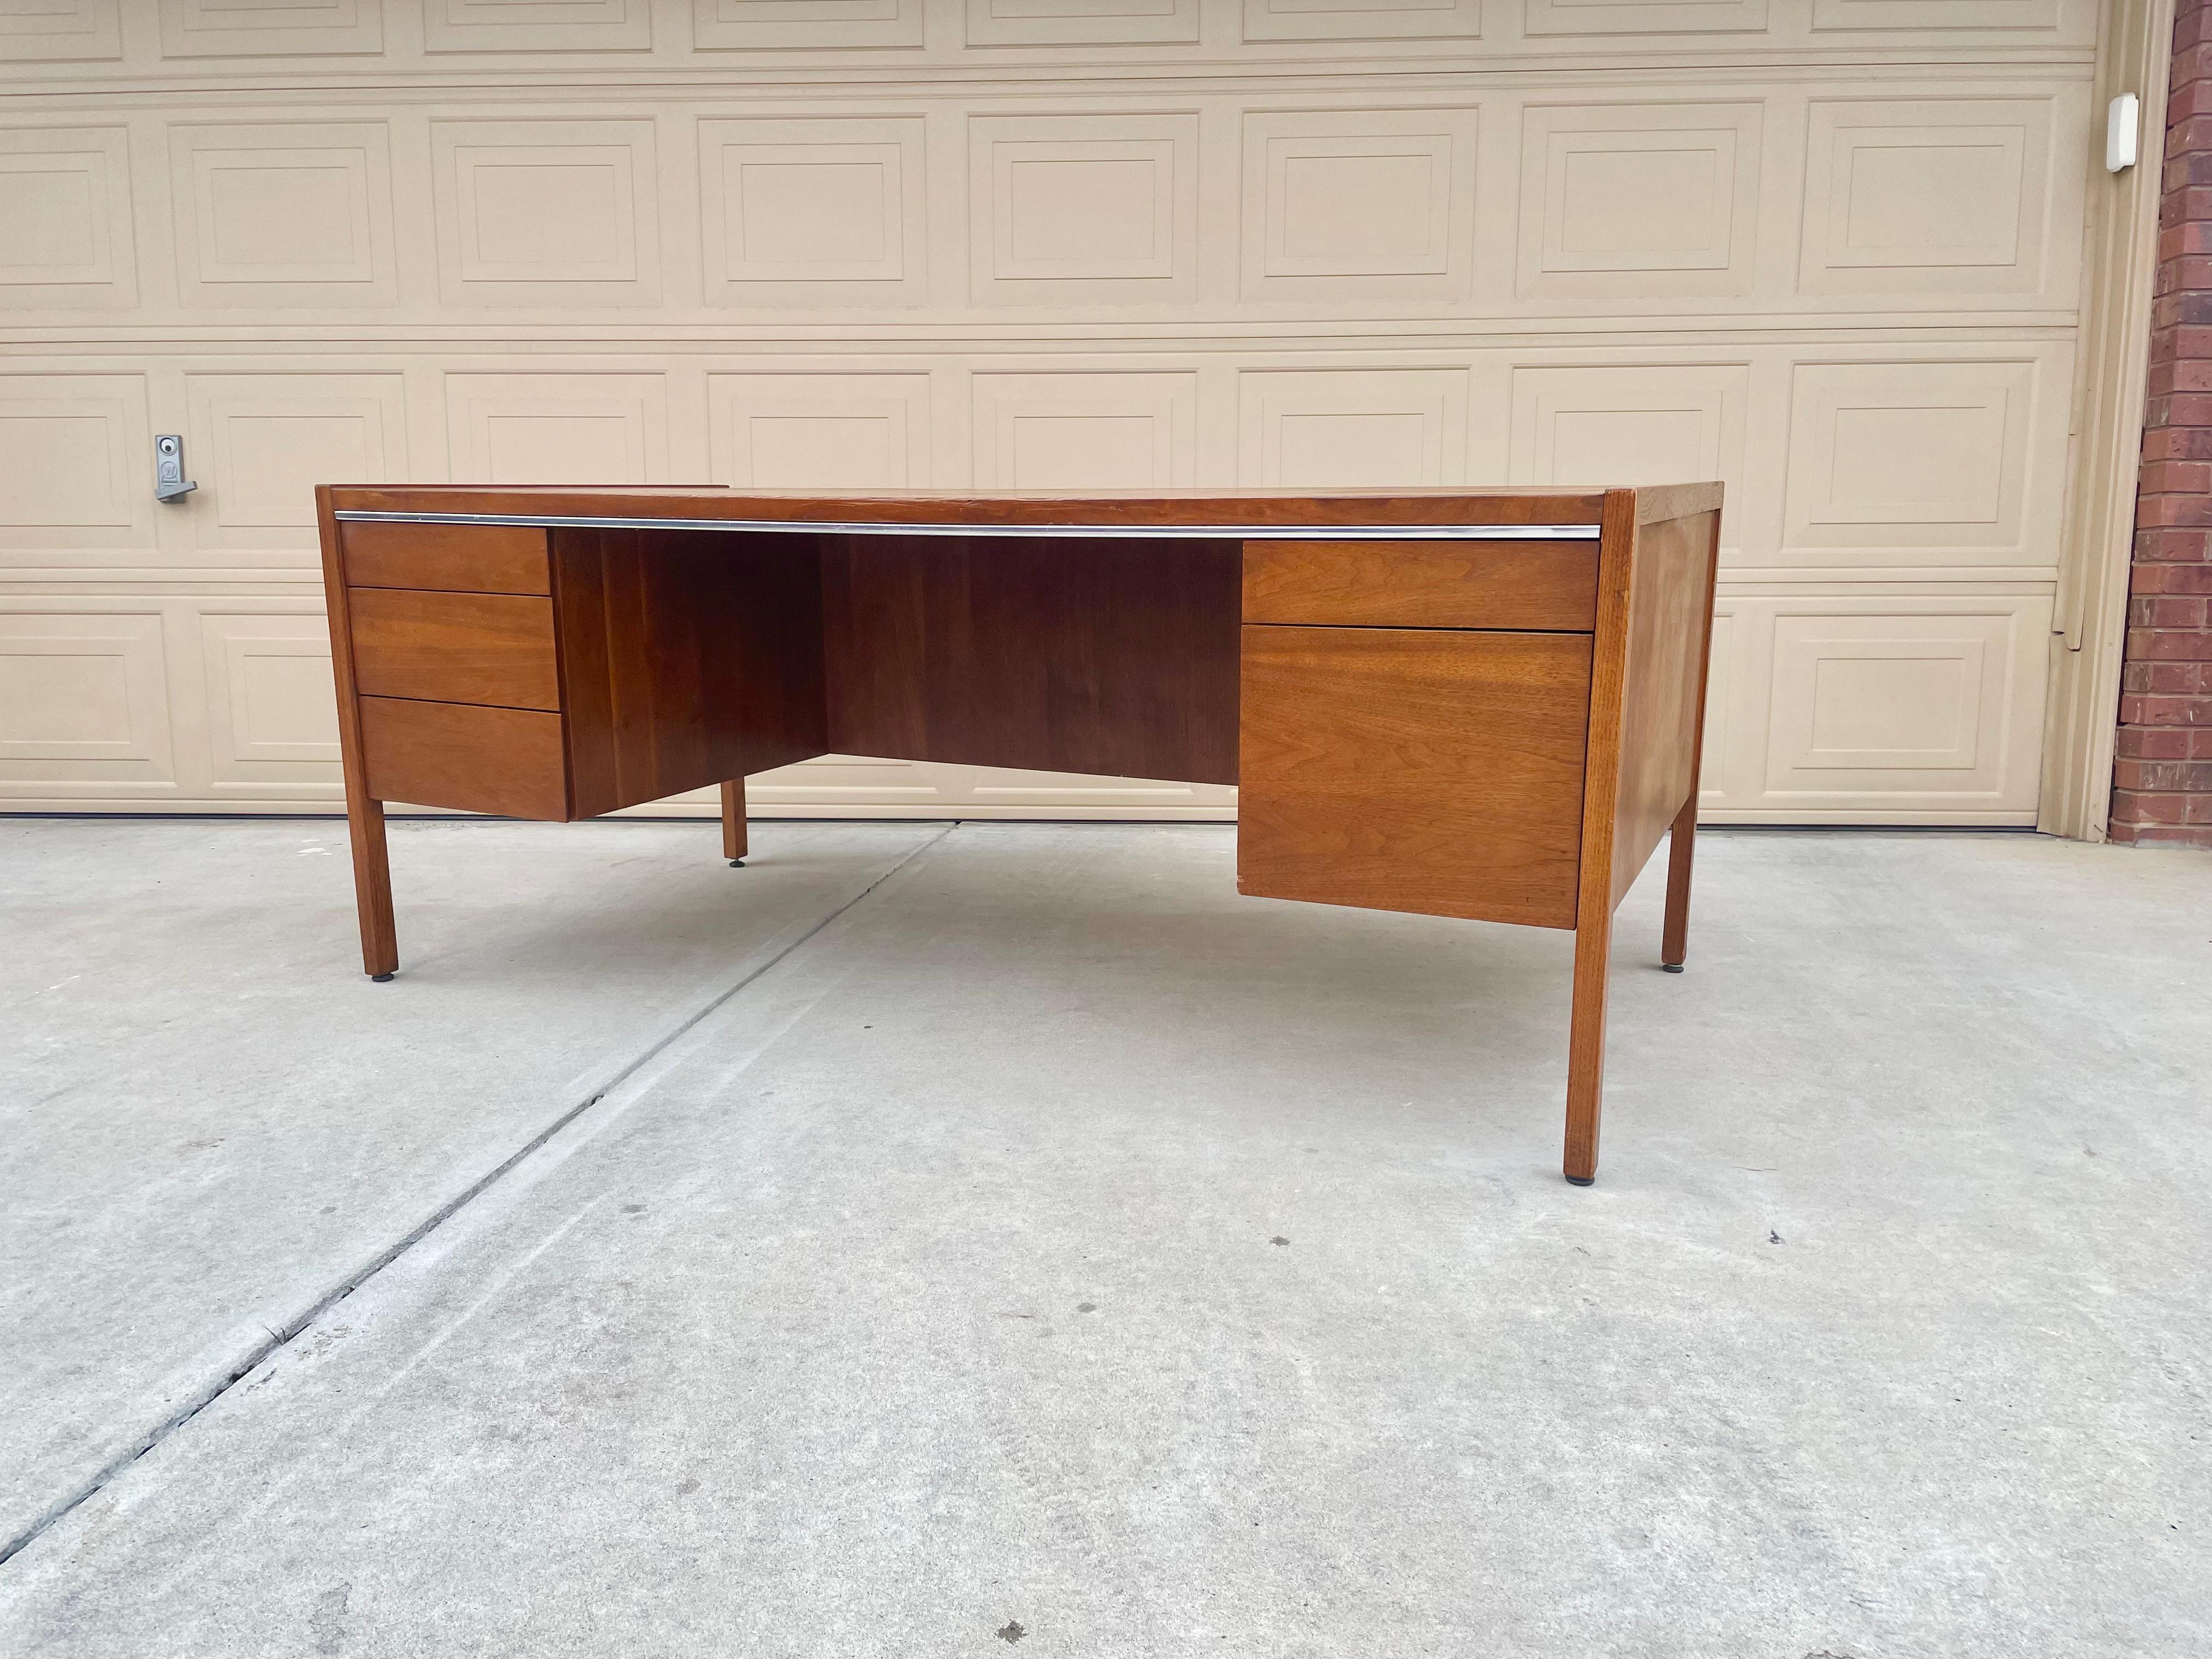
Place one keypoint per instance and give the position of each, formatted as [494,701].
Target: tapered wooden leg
[372,890]
[1682,847]
[734,823]
[1586,1050]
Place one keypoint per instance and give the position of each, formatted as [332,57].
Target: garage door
[1826,250]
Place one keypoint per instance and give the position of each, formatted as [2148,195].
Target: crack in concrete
[62,1507]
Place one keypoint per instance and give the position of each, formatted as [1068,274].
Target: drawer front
[1437,771]
[1503,585]
[475,759]
[454,647]
[458,558]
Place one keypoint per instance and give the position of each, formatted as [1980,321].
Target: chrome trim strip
[1398,533]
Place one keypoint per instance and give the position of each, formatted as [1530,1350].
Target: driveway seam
[54,1513]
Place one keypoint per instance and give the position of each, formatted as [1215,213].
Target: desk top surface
[1256,512]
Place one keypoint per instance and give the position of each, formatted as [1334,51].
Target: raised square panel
[269,28]
[1102,431]
[83,698]
[1930,706]
[59,30]
[1919,15]
[865,783]
[1384,428]
[1359,202]
[75,462]
[1644,16]
[260,443]
[1606,425]
[820,431]
[813,213]
[527,26]
[272,716]
[1362,20]
[1931,197]
[1911,456]
[1629,202]
[65,205]
[729,25]
[546,214]
[287,213]
[1080,22]
[1084,210]
[557,429]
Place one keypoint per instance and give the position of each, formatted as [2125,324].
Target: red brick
[2173,477]
[2147,710]
[2190,645]
[2136,776]
[2181,610]
[2174,546]
[2188,96]
[2160,512]
[2163,777]
[2175,241]
[2186,312]
[2180,375]
[2194,410]
[2153,743]
[2177,443]
[2137,807]
[2193,204]
[2165,678]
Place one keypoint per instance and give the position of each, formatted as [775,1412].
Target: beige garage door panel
[1060,244]
[1844,707]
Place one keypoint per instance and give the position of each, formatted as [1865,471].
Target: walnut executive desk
[1485,703]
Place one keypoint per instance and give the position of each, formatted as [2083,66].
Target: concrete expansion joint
[280,1339]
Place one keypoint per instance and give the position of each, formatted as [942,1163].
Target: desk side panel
[1670,618]
[1116,658]
[687,658]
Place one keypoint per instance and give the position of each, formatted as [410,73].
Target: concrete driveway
[932,1240]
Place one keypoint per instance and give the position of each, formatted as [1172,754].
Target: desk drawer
[475,759]
[1433,770]
[455,647]
[458,558]
[1535,585]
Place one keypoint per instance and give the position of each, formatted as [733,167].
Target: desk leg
[734,823]
[1586,1048]
[372,890]
[1682,847]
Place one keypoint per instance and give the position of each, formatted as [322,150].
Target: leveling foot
[378,979]
[1670,967]
[737,864]
[1581,1181]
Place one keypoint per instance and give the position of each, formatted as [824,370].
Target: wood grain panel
[687,658]
[1499,585]
[1118,658]
[455,647]
[1669,611]
[474,758]
[1425,770]
[452,557]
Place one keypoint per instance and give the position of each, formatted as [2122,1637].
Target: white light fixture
[2122,122]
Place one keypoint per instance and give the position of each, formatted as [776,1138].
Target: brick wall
[2162,781]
